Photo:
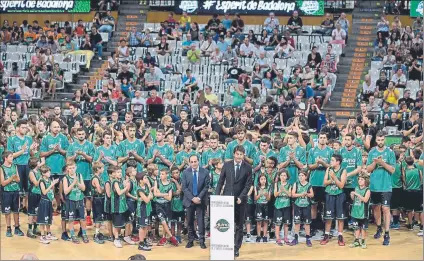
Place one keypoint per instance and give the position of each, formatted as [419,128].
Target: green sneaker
[9,232]
[355,244]
[364,245]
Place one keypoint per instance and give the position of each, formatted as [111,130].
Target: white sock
[340,234]
[97,231]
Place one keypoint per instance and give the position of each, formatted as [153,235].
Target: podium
[222,228]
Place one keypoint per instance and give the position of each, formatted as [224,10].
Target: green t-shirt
[238,99]
[9,172]
[248,146]
[182,155]
[263,192]
[163,188]
[118,202]
[282,200]
[259,153]
[108,152]
[350,161]
[83,166]
[412,179]
[333,189]
[302,201]
[211,154]
[76,193]
[317,175]
[55,161]
[126,146]
[380,178]
[15,144]
[177,201]
[360,209]
[50,194]
[166,150]
[284,155]
[397,175]
[32,188]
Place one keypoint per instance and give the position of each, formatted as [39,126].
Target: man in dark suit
[195,182]
[237,176]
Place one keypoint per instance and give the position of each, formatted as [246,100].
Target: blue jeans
[106,29]
[99,48]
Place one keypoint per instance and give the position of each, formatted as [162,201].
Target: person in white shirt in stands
[208,47]
[216,57]
[26,96]
[262,61]
[368,88]
[271,22]
[399,78]
[258,49]
[338,35]
[138,103]
[246,49]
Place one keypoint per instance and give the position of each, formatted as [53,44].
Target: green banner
[416,8]
[45,6]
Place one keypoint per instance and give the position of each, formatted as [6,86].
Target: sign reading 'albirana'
[44,6]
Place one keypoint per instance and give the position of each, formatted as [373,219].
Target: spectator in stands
[56,81]
[154,98]
[26,95]
[165,31]
[305,90]
[189,82]
[329,63]
[417,51]
[193,55]
[399,79]
[33,78]
[368,88]
[239,95]
[417,25]
[96,42]
[383,26]
[134,38]
[373,106]
[123,51]
[177,32]
[237,24]
[30,36]
[212,24]
[169,98]
[152,80]
[391,96]
[314,58]
[216,57]
[393,121]
[327,26]
[149,59]
[208,47]
[344,24]
[383,82]
[390,59]
[42,42]
[246,49]
[338,35]
[138,103]
[312,113]
[379,52]
[221,44]
[163,47]
[295,23]
[271,22]
[147,39]
[210,97]
[415,71]
[229,56]
[412,126]
[13,100]
[334,57]
[108,22]
[45,77]
[410,103]
[185,21]
[380,39]
[283,50]
[171,21]
[194,31]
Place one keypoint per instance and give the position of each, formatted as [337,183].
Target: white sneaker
[51,237]
[420,234]
[129,241]
[117,243]
[44,240]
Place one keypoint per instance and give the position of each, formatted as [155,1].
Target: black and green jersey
[107,204]
[133,188]
[163,188]
[177,201]
[360,209]
[142,207]
[302,201]
[396,176]
[263,192]
[76,193]
[9,172]
[50,194]
[118,202]
[352,159]
[412,179]
[282,200]
[212,154]
[214,181]
[94,191]
[31,187]
[333,189]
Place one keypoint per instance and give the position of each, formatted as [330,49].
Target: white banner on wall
[222,228]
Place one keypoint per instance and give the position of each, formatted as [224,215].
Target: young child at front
[282,210]
[262,196]
[143,212]
[360,211]
[98,191]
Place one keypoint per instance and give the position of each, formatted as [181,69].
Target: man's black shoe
[202,245]
[189,244]
[236,253]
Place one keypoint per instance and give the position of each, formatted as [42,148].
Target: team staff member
[380,165]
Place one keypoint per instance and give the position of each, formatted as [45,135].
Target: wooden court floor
[404,245]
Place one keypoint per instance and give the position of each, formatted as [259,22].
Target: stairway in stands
[357,62]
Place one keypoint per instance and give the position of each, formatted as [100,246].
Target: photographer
[263,121]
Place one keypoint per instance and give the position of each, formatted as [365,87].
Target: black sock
[9,228]
[88,212]
[396,219]
[35,226]
[296,236]
[386,234]
[379,228]
[308,236]
[363,241]
[30,226]
[17,227]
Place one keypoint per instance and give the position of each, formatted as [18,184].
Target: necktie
[237,170]
[195,183]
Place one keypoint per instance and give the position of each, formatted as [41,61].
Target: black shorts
[75,210]
[334,206]
[347,191]
[23,171]
[360,223]
[302,215]
[107,205]
[98,209]
[45,212]
[250,213]
[178,216]
[282,216]
[153,214]
[163,211]
[132,207]
[87,191]
[33,202]
[319,195]
[63,211]
[261,212]
[10,202]
[143,222]
[397,201]
[413,200]
[381,198]
[119,219]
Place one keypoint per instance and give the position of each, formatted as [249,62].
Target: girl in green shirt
[412,178]
[282,213]
[262,196]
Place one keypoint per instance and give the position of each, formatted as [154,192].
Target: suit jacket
[203,181]
[235,187]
